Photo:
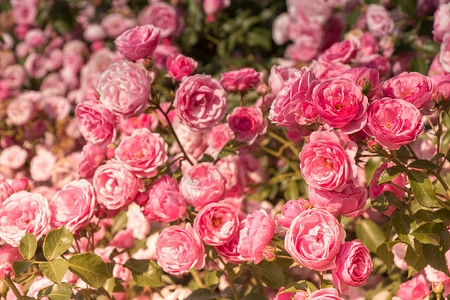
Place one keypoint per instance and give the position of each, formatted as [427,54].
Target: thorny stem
[13,287]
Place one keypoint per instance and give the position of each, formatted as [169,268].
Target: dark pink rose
[354,265]
[165,202]
[290,210]
[138,42]
[179,249]
[163,16]
[327,162]
[92,156]
[162,53]
[368,44]
[366,78]
[255,235]
[247,123]
[200,102]
[393,122]
[314,239]
[379,21]
[124,88]
[217,138]
[240,80]
[180,66]
[442,84]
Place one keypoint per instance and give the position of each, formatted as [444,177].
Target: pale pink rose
[211,7]
[41,165]
[290,210]
[115,186]
[119,271]
[179,249]
[20,184]
[381,63]
[341,52]
[280,33]
[304,49]
[317,12]
[349,202]
[24,11]
[96,123]
[165,202]
[162,53]
[14,76]
[376,189]
[73,205]
[138,42]
[240,80]
[444,53]
[229,250]
[115,24]
[202,184]
[8,255]
[142,152]
[200,102]
[379,21]
[247,123]
[294,106]
[123,239]
[399,251]
[35,65]
[366,78]
[436,67]
[136,222]
[171,292]
[424,148]
[38,284]
[354,265]
[56,107]
[442,91]
[22,213]
[217,138]
[412,87]
[124,88]
[193,141]
[232,170]
[65,169]
[254,236]
[92,156]
[325,71]
[441,22]
[5,90]
[54,60]
[13,157]
[180,66]
[341,104]
[416,288]
[163,16]
[6,190]
[216,224]
[150,251]
[35,38]
[128,125]
[325,294]
[10,295]
[94,32]
[314,239]
[53,85]
[20,111]
[327,162]
[279,76]
[47,192]
[393,122]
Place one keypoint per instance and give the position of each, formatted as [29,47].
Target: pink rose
[307,46]
[255,235]
[162,53]
[202,184]
[165,202]
[20,111]
[368,44]
[247,123]
[354,265]
[216,224]
[441,22]
[128,125]
[138,42]
[341,52]
[200,102]
[393,122]
[325,294]
[444,54]
[325,70]
[92,156]
[20,184]
[22,213]
[229,250]
[314,239]
[180,66]
[5,90]
[279,76]
[96,122]
[41,165]
[416,288]
[24,11]
[290,210]
[436,67]
[442,91]
[412,87]
[217,138]
[327,162]
[73,206]
[142,152]
[240,80]
[6,190]
[13,157]
[115,186]
[14,76]
[179,249]
[163,16]
[56,107]
[124,88]
[280,29]
[136,222]
[364,77]
[349,202]
[376,189]
[8,255]
[379,21]
[115,24]
[94,32]
[123,239]
[35,65]
[341,104]
[192,141]
[35,38]
[399,251]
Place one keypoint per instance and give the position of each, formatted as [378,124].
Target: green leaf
[423,165]
[415,261]
[419,64]
[206,158]
[145,272]
[211,278]
[383,201]
[60,292]
[435,257]
[120,221]
[390,173]
[402,225]
[90,268]
[428,233]
[303,285]
[57,242]
[20,266]
[202,294]
[384,252]
[27,246]
[55,270]
[370,234]
[436,216]
[260,37]
[422,188]
[271,273]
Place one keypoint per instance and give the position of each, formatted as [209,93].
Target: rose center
[328,163]
[216,222]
